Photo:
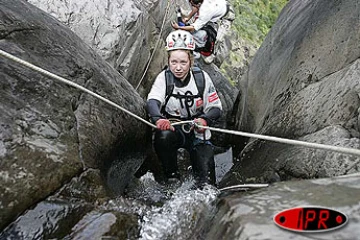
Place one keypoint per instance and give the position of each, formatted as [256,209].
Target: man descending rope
[205,29]
[184,102]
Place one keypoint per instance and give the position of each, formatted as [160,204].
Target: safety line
[244,134]
[243,187]
[352,151]
[288,141]
[183,122]
[156,46]
[61,79]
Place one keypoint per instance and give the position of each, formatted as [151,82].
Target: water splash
[174,209]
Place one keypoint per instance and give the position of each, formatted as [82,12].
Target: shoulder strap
[199,80]
[169,85]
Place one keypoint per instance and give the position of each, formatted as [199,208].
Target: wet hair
[190,54]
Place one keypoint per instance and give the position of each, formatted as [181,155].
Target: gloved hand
[200,122]
[164,124]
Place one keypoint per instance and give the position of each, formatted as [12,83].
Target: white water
[172,211]
[167,212]
[178,216]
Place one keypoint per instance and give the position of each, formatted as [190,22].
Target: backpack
[199,81]
[209,47]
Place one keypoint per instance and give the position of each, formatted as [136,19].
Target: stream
[147,210]
[175,211]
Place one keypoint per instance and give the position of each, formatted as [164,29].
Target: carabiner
[188,127]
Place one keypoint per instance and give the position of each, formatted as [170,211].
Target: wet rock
[249,215]
[49,219]
[120,172]
[303,80]
[88,187]
[106,225]
[50,132]
[123,32]
[295,162]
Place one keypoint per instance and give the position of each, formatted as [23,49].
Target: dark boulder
[50,132]
[303,84]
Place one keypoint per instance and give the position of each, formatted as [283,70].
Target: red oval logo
[310,219]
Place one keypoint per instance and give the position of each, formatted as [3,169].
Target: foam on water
[176,208]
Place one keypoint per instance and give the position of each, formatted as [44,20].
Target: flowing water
[150,210]
[172,211]
[167,212]
[177,210]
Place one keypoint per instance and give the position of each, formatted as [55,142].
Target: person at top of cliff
[205,28]
[176,96]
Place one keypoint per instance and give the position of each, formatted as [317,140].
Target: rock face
[303,84]
[106,224]
[74,212]
[115,29]
[50,132]
[123,32]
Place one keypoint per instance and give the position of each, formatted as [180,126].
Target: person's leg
[209,47]
[202,159]
[200,38]
[166,144]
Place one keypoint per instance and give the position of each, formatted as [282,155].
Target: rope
[243,187]
[156,45]
[250,135]
[40,70]
[352,151]
[182,122]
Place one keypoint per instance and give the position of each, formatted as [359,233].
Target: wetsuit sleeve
[153,109]
[212,116]
[212,103]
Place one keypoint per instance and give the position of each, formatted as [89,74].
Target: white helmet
[180,39]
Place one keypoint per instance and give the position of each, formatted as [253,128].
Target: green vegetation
[254,18]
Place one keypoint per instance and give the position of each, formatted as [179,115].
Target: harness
[188,98]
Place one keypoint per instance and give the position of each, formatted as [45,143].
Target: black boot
[202,159]
[166,144]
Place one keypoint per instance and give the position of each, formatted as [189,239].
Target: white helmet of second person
[180,39]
